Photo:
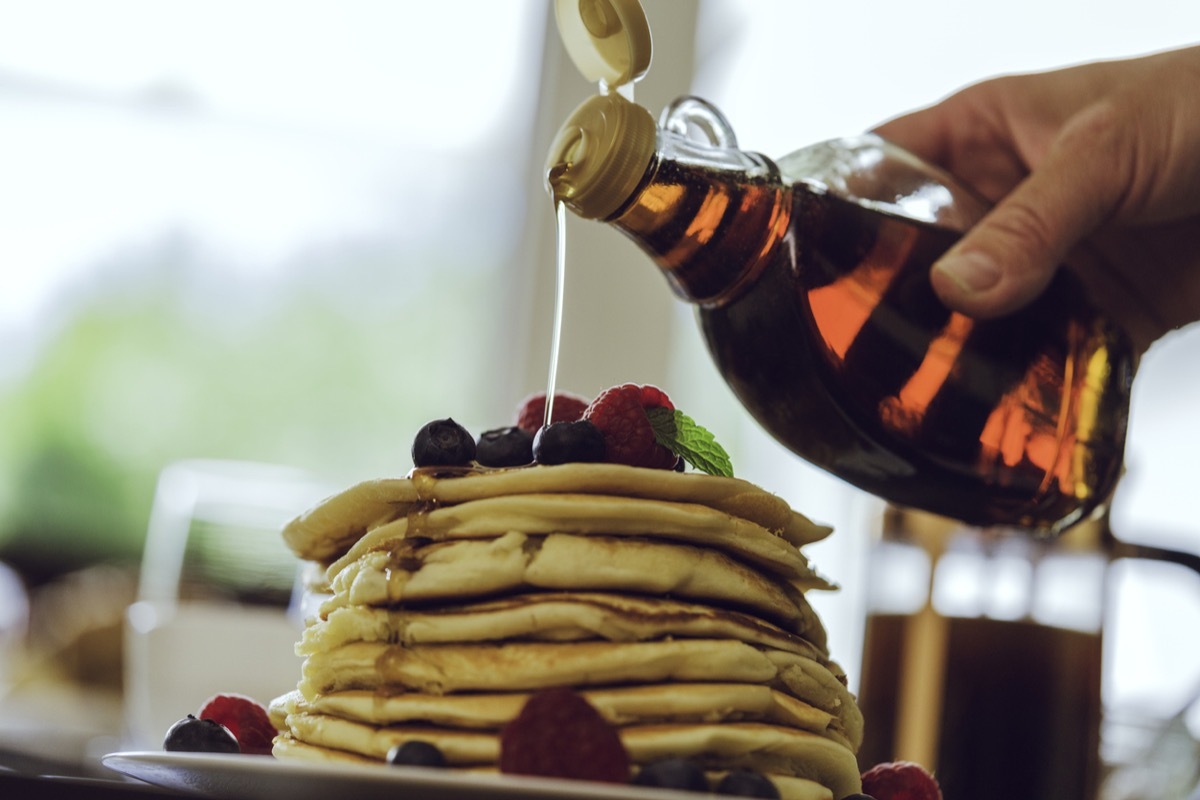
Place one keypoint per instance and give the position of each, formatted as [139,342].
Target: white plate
[237,777]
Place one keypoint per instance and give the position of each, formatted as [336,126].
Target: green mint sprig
[680,434]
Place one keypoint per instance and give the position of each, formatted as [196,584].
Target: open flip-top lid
[609,40]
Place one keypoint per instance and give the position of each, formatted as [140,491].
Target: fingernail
[972,272]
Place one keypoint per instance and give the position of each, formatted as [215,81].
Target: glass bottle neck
[709,218]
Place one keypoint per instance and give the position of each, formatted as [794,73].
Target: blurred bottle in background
[985,656]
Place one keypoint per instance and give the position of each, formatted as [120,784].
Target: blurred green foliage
[329,365]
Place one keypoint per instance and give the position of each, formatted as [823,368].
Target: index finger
[924,133]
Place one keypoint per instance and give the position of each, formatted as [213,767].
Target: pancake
[552,616]
[529,666]
[414,572]
[324,532]
[674,603]
[286,746]
[763,747]
[770,749]
[623,705]
[685,523]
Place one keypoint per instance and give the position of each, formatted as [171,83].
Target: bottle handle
[689,114]
[1147,552]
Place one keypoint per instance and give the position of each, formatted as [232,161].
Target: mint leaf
[680,434]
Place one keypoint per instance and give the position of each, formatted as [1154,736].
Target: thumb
[1007,259]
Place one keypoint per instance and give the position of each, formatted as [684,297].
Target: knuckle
[1098,123]
[1106,131]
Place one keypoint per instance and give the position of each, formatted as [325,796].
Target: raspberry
[558,734]
[532,412]
[900,780]
[620,414]
[245,718]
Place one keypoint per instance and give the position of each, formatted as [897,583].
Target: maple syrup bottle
[810,275]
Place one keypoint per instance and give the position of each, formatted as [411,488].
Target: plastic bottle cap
[609,40]
[600,155]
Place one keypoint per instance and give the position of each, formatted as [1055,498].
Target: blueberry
[191,735]
[564,442]
[416,753]
[744,783]
[443,443]
[504,447]
[672,773]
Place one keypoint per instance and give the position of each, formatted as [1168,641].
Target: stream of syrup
[560,272]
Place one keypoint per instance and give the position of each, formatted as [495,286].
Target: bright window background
[787,74]
[263,230]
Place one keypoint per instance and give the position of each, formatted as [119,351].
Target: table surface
[24,774]
[47,787]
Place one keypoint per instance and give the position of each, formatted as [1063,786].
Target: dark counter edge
[16,786]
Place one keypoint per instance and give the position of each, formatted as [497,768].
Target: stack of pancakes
[674,602]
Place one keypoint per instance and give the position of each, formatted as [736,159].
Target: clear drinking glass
[1165,762]
[216,583]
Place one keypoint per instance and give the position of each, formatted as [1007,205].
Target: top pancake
[592,515]
[327,531]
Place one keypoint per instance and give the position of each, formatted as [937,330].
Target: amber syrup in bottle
[819,313]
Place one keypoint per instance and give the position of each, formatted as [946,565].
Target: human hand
[1098,165]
